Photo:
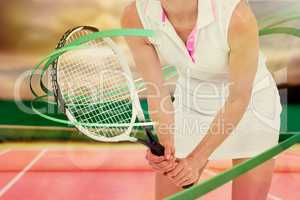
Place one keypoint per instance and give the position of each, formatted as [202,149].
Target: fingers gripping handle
[157,149]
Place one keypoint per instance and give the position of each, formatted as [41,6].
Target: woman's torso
[204,76]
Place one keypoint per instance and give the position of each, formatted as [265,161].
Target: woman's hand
[164,163]
[187,171]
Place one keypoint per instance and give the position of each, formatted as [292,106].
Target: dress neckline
[190,44]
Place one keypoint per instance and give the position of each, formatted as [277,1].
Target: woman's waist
[209,97]
[203,74]
[217,84]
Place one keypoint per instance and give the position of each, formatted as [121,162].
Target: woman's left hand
[187,171]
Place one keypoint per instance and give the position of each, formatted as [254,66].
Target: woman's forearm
[224,123]
[161,111]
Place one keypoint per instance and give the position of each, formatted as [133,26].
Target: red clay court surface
[64,172]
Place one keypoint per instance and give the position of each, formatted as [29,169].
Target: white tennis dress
[202,86]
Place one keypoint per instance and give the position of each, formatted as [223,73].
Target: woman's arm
[243,61]
[158,95]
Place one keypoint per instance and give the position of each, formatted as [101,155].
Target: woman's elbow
[242,98]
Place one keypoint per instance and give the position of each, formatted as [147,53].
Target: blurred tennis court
[80,170]
[40,160]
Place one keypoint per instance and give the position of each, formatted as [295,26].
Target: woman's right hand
[164,163]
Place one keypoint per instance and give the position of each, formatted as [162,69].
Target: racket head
[68,37]
[87,79]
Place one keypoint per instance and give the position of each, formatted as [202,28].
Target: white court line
[270,196]
[4,151]
[19,175]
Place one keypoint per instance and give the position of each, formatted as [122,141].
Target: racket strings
[138,82]
[94,89]
[88,97]
[109,113]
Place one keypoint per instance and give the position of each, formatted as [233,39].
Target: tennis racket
[94,87]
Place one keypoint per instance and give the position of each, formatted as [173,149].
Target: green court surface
[16,124]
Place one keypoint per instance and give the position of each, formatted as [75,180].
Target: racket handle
[156,148]
[188,186]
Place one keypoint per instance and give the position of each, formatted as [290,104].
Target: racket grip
[188,186]
[156,148]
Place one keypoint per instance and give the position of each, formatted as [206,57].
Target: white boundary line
[4,151]
[19,175]
[270,196]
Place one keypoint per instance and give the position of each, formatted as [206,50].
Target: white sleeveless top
[211,46]
[202,63]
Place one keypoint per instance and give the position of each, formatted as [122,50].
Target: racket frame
[137,111]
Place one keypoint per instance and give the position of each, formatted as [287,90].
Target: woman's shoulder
[234,14]
[130,17]
[135,6]
[228,6]
[242,17]
[229,3]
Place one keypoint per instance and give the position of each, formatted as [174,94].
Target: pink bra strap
[191,40]
[191,43]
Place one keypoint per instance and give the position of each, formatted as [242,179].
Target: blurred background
[30,30]
[53,161]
